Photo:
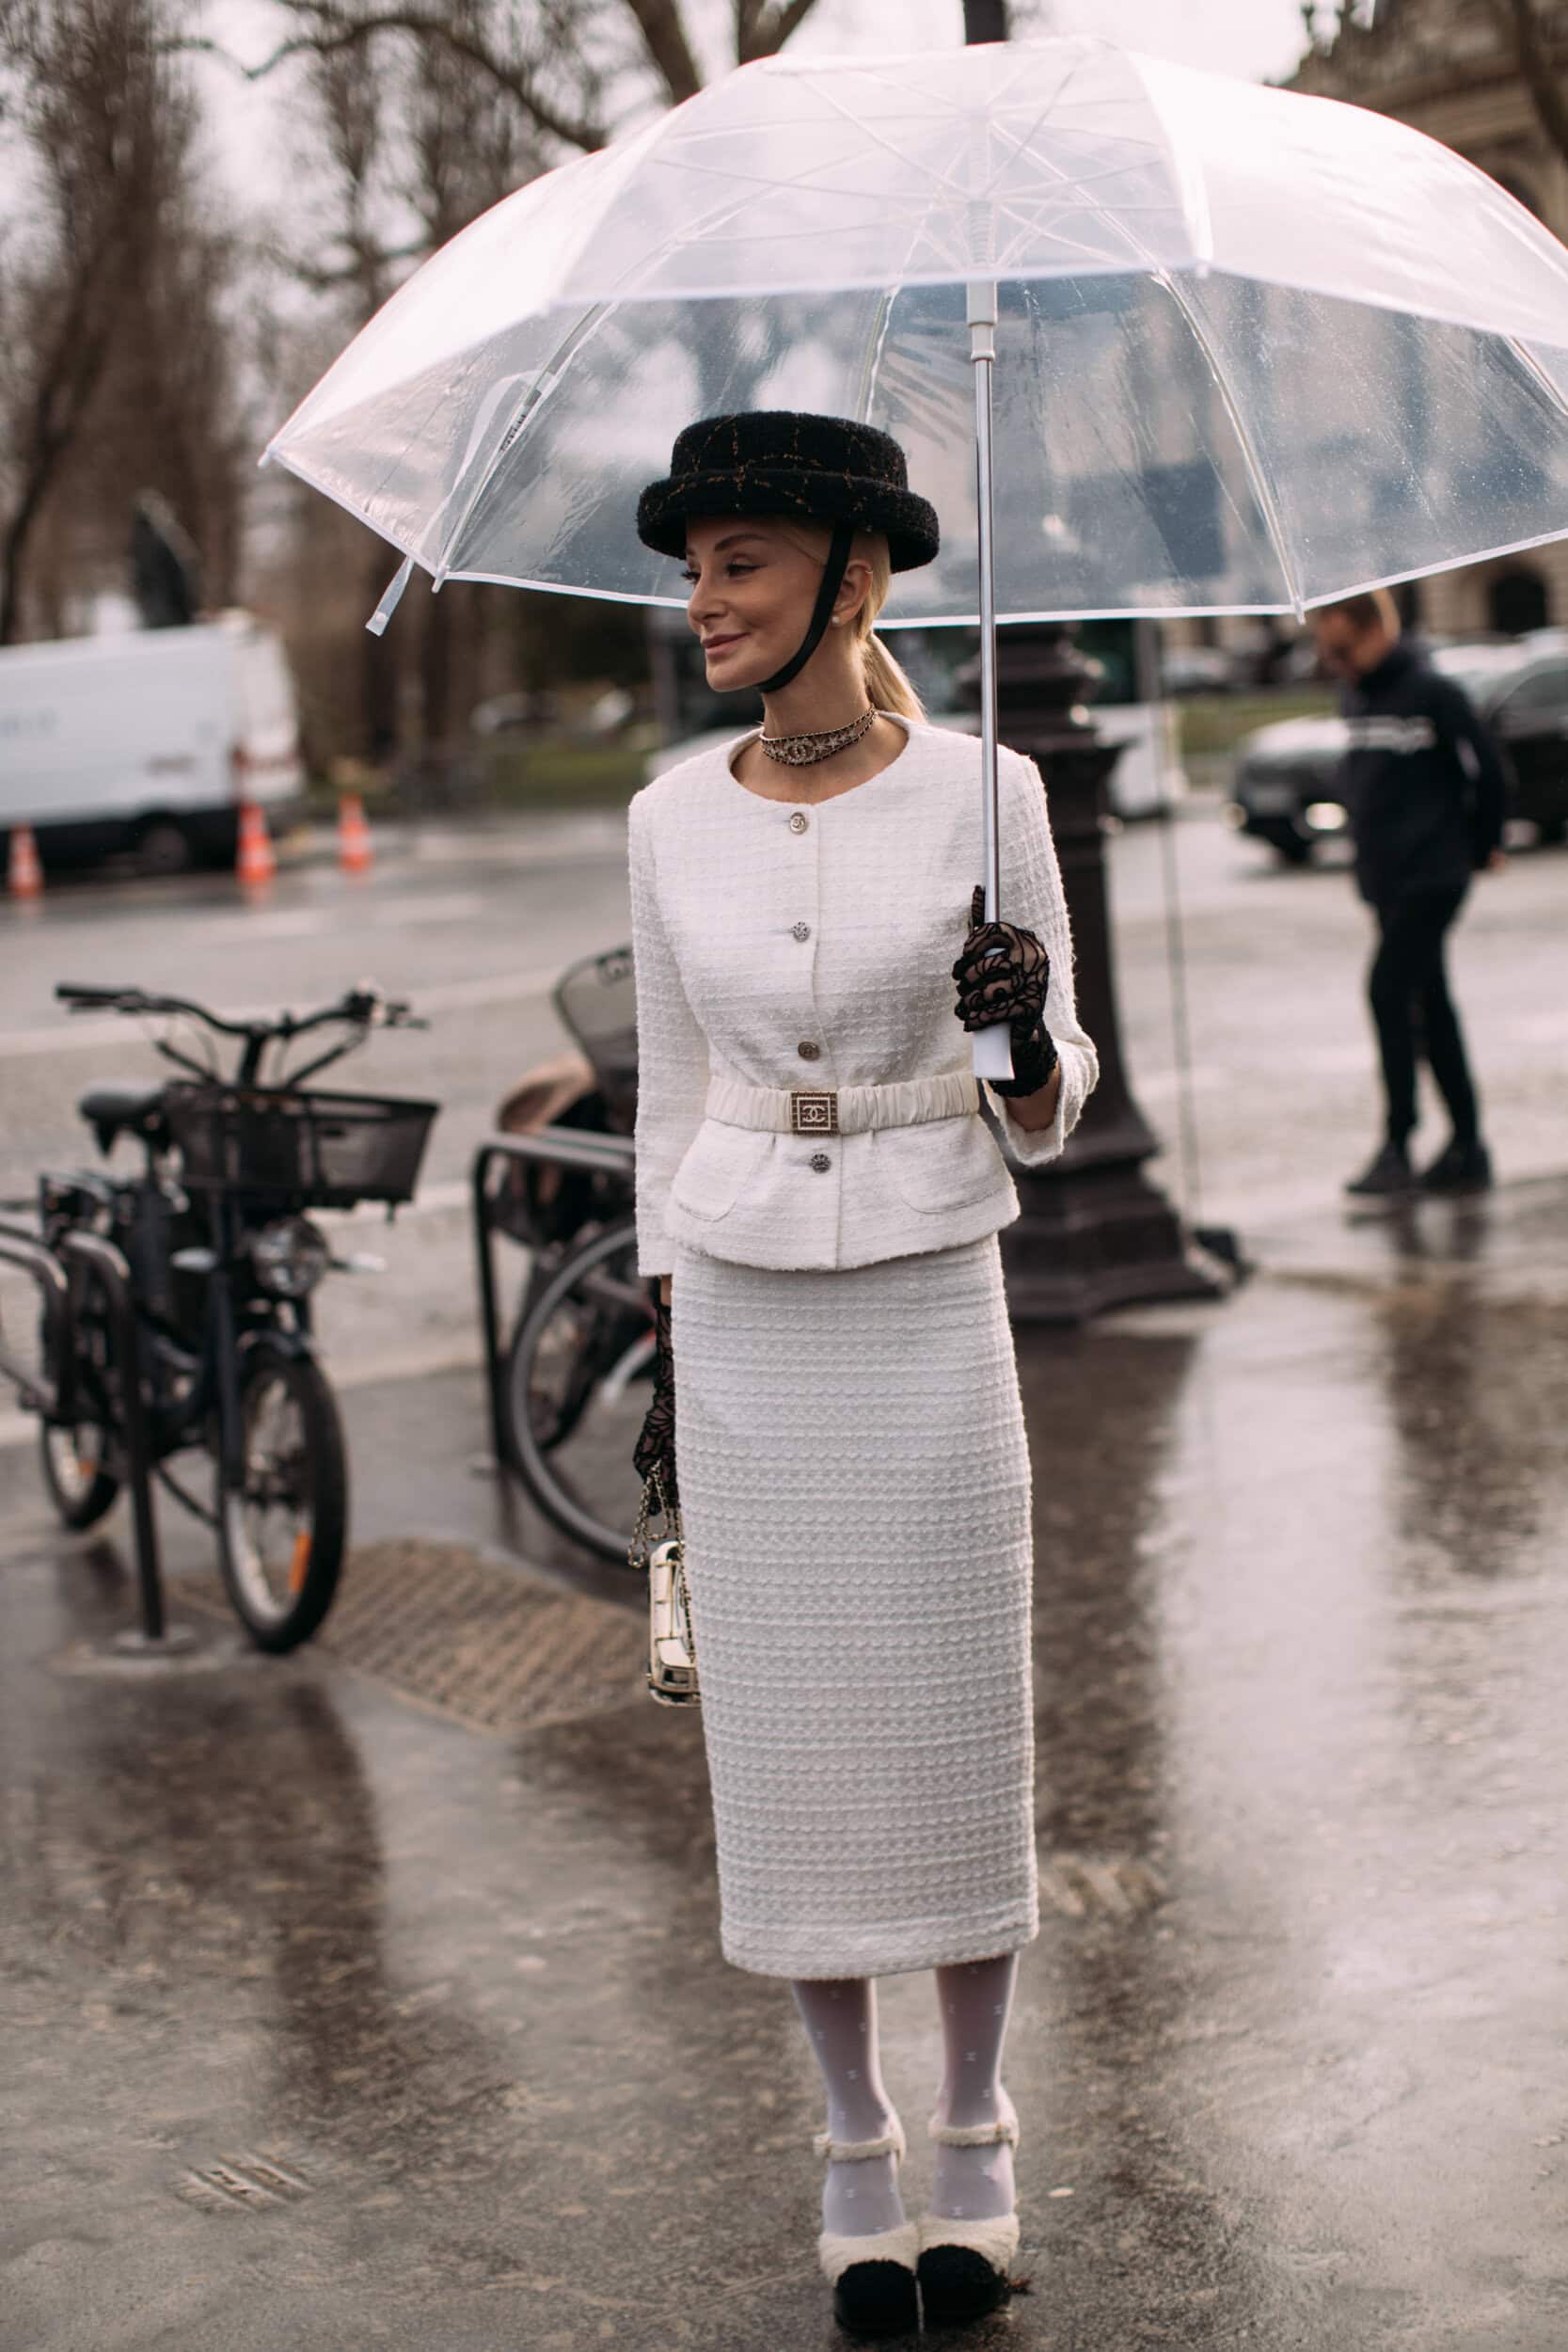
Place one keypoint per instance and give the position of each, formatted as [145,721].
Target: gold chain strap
[639,1546]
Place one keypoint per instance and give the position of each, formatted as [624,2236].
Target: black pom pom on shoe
[872,2300]
[957,2285]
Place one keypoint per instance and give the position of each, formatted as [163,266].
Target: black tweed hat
[770,461]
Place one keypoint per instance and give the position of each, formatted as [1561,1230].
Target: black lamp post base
[1099,1238]
[1094,1233]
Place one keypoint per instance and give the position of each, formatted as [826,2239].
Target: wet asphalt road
[329,2020]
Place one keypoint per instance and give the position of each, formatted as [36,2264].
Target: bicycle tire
[560,1415]
[83,1492]
[100,1489]
[538,1464]
[279,1620]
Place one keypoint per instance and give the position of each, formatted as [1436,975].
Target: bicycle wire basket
[595,999]
[301,1148]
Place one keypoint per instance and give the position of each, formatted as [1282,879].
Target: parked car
[146,740]
[1286,788]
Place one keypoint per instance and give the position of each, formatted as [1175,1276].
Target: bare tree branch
[103,133]
[669,49]
[771,28]
[328,32]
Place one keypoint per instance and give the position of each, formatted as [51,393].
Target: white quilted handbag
[672,1652]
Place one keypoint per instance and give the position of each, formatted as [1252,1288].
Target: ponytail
[885,682]
[886,685]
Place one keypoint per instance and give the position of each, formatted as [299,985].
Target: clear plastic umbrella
[1252,350]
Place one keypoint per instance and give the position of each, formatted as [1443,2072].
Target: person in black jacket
[1425,788]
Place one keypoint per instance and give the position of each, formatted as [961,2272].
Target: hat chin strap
[822,612]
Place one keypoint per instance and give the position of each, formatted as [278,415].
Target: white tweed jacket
[784,954]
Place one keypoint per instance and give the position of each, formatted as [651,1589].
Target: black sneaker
[1390,1172]
[1460,1167]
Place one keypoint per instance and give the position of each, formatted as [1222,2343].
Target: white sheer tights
[973,2000]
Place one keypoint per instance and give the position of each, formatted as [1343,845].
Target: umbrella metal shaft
[993,1048]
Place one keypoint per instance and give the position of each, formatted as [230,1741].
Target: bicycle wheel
[75,1457]
[71,1460]
[281,1533]
[577,1391]
[554,1385]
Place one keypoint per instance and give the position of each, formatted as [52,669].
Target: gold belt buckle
[814,1113]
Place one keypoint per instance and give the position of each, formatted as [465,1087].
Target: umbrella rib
[1263,488]
[586,326]
[884,306]
[1257,474]
[1191,180]
[1538,375]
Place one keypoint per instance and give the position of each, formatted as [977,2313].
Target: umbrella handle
[993,1051]
[993,1046]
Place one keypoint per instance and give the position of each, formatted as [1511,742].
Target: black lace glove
[1003,975]
[656,1447]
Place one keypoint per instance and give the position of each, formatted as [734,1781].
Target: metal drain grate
[473,1638]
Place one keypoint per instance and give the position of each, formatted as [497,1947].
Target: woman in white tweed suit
[837,1394]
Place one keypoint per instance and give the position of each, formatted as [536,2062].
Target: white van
[146,740]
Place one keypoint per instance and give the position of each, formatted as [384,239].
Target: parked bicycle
[570,1392]
[223,1263]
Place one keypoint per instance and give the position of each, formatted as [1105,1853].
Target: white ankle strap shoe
[963,2265]
[873,2278]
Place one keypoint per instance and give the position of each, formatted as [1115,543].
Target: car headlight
[290,1257]
[1326,817]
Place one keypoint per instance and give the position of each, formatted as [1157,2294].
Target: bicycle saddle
[115,1110]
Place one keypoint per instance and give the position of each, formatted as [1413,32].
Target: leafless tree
[554,64]
[86,103]
[428,114]
[1537,31]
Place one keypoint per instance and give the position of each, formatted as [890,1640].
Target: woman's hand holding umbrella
[1003,975]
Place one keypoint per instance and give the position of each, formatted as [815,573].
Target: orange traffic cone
[24,874]
[354,853]
[255,865]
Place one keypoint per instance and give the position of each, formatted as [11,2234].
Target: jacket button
[801,930]
[799,822]
[820,1161]
[807,1051]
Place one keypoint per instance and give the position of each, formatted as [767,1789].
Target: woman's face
[753,593]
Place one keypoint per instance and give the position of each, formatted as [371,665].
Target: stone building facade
[1449,68]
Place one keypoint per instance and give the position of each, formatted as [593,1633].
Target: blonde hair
[886,685]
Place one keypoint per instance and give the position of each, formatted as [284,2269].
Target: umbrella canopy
[1254,350]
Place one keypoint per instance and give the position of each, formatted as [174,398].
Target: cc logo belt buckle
[813,1113]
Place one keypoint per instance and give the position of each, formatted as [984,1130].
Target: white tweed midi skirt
[855,1490]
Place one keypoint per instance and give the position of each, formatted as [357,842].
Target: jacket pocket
[941,1164]
[719,1165]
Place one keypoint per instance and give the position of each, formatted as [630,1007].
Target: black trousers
[1408,989]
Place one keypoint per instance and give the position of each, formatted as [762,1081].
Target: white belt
[842,1111]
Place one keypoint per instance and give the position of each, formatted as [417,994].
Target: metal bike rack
[110,1266]
[24,1251]
[607,1154]
[53,1401]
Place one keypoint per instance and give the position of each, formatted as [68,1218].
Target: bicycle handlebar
[363,1007]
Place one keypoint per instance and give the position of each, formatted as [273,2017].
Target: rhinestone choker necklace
[804,751]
